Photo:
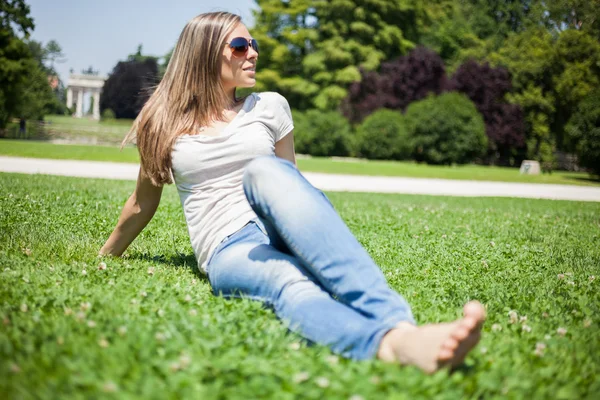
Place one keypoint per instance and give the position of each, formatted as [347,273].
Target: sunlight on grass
[147,325]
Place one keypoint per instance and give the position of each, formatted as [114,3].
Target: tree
[127,88]
[43,102]
[550,77]
[486,87]
[16,62]
[54,54]
[576,75]
[399,82]
[36,98]
[313,49]
[529,57]
[15,13]
[584,127]
[166,59]
[139,57]
[582,15]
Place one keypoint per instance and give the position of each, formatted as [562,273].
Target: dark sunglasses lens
[255,45]
[239,45]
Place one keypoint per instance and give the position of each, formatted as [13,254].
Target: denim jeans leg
[313,231]
[248,266]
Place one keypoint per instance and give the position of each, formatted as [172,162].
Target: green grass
[37,149]
[164,335]
[78,130]
[23,148]
[66,120]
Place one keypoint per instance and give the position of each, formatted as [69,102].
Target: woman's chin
[248,83]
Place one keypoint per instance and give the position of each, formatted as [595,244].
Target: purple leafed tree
[486,87]
[399,82]
[413,77]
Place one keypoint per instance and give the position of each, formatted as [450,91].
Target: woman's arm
[137,212]
[285,148]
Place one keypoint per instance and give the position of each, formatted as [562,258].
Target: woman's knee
[266,172]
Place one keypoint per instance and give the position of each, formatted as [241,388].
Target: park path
[327,182]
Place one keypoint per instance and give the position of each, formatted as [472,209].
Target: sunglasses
[239,46]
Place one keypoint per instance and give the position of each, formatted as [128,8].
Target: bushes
[446,129]
[108,115]
[399,82]
[584,128]
[382,135]
[322,133]
[486,87]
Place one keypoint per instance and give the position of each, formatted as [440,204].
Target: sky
[100,33]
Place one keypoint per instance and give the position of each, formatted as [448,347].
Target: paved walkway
[328,182]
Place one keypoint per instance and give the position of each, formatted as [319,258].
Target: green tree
[312,50]
[54,54]
[15,58]
[584,127]
[43,103]
[577,74]
[35,99]
[583,15]
[529,56]
[162,66]
[550,77]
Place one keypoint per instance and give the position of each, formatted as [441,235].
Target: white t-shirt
[208,170]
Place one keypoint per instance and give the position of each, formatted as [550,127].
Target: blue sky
[102,32]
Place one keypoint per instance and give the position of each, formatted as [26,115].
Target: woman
[257,227]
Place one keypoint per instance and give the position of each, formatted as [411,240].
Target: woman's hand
[137,212]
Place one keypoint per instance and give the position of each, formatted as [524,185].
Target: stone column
[97,104]
[69,97]
[79,112]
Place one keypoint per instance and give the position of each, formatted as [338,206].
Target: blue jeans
[301,259]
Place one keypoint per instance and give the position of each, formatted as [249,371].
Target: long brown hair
[189,95]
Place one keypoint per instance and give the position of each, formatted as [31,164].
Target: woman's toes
[469,322]
[450,344]
[445,354]
[460,333]
[475,310]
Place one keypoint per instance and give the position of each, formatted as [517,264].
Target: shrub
[108,114]
[382,135]
[446,129]
[399,82]
[320,133]
[129,86]
[584,128]
[486,87]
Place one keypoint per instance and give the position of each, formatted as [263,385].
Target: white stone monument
[79,85]
[530,167]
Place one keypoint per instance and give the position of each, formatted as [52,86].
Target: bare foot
[435,346]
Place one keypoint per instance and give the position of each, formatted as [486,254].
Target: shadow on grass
[592,179]
[178,260]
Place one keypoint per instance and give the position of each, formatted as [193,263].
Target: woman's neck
[232,98]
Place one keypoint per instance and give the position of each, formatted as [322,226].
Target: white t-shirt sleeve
[283,117]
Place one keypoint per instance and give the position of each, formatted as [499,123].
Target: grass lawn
[66,120]
[34,149]
[80,130]
[148,326]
